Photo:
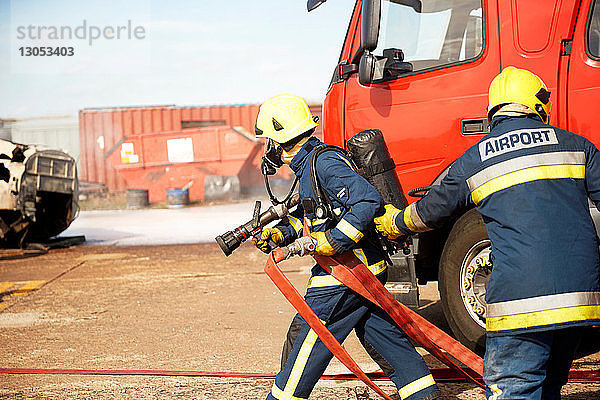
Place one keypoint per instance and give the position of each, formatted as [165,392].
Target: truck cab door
[433,107]
[583,88]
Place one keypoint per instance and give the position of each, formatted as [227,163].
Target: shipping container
[161,161]
[103,131]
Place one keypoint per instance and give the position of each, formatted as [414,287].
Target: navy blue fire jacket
[530,182]
[354,200]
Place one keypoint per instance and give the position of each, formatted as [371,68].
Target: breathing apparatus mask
[271,159]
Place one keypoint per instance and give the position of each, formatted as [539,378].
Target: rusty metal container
[175,159]
[222,144]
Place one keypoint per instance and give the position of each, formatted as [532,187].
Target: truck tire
[464,271]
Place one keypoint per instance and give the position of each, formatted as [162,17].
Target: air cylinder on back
[372,158]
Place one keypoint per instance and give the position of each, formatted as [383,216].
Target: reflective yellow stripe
[344,159]
[328,280]
[527,175]
[281,395]
[349,230]
[316,222]
[416,386]
[542,303]
[295,222]
[496,392]
[416,220]
[360,254]
[407,221]
[540,318]
[4,286]
[322,281]
[300,364]
[523,162]
[377,268]
[28,287]
[413,220]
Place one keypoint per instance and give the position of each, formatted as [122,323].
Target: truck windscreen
[433,33]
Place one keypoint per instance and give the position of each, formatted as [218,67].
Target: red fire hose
[347,269]
[446,375]
[344,275]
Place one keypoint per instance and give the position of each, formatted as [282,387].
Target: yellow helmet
[515,85]
[284,117]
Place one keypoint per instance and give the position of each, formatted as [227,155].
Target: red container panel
[168,160]
[102,131]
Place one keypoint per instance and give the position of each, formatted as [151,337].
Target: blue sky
[193,53]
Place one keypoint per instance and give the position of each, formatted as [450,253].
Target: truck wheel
[463,276]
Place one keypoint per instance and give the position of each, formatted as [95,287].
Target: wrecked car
[38,193]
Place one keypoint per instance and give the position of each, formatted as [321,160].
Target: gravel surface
[179,307]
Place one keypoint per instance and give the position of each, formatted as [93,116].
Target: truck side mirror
[369,24]
[312,4]
[366,68]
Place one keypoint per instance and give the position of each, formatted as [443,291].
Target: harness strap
[374,169]
[322,198]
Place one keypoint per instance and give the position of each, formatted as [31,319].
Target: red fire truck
[419,70]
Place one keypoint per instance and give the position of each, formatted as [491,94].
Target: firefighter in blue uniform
[531,182]
[287,125]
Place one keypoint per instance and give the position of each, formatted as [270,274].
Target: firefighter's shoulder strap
[322,206]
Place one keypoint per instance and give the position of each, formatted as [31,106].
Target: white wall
[59,133]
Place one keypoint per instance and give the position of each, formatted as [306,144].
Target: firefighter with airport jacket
[286,123]
[531,182]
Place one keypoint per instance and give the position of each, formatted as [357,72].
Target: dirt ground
[180,307]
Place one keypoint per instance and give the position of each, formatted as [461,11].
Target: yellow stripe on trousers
[298,368]
[416,386]
[281,395]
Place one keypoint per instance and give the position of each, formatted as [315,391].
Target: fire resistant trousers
[342,312]
[529,366]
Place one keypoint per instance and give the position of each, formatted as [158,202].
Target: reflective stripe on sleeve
[344,159]
[412,219]
[416,386]
[556,165]
[313,223]
[543,310]
[295,222]
[349,230]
